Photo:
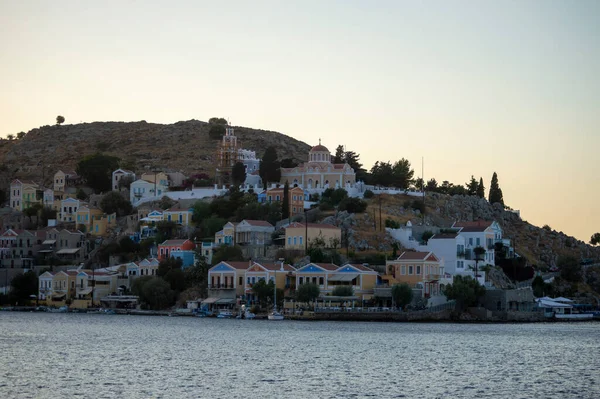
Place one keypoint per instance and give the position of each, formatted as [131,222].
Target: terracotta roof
[327,266]
[238,265]
[258,223]
[413,255]
[361,267]
[313,225]
[472,227]
[178,210]
[277,266]
[339,165]
[319,148]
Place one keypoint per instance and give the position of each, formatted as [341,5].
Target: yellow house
[282,275]
[418,270]
[295,235]
[182,217]
[158,178]
[226,283]
[100,225]
[226,236]
[32,194]
[63,287]
[85,215]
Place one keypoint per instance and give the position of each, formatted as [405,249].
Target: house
[226,282]
[68,209]
[182,217]
[161,179]
[85,216]
[295,235]
[175,179]
[63,287]
[71,246]
[101,224]
[280,273]
[48,200]
[93,285]
[24,193]
[165,248]
[421,270]
[62,180]
[8,244]
[187,257]
[295,195]
[328,276]
[119,174]
[45,285]
[142,189]
[449,247]
[148,219]
[480,233]
[253,232]
[227,235]
[319,171]
[148,267]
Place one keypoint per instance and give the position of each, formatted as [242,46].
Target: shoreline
[440,317]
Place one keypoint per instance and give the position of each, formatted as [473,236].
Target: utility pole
[305,233]
[380,224]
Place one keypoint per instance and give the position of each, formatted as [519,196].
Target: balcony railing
[429,277]
[221,287]
[460,254]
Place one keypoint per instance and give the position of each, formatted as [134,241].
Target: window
[314,280]
[289,240]
[403,270]
[471,241]
[277,198]
[294,240]
[300,280]
[410,270]
[418,270]
[240,280]
[321,281]
[478,242]
[300,240]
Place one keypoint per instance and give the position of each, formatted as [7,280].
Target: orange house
[168,246]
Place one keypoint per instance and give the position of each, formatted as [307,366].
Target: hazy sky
[472,86]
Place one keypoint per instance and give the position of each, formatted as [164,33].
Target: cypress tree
[472,186]
[495,191]
[269,170]
[285,206]
[481,189]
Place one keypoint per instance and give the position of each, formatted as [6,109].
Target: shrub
[368,194]
[352,205]
[343,290]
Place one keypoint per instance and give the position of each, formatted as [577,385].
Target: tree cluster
[386,174]
[465,290]
[97,170]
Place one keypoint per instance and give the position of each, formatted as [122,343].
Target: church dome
[319,148]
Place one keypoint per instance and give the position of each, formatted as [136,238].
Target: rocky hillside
[541,247]
[182,146]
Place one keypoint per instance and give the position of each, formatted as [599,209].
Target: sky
[471,87]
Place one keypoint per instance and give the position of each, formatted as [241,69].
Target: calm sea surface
[109,356]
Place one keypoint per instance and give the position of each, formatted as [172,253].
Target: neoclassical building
[319,172]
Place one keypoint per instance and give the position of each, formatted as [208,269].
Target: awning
[343,277]
[44,251]
[225,301]
[47,242]
[210,300]
[84,292]
[68,251]
[59,295]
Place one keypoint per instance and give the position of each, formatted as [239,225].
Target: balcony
[460,254]
[221,287]
[431,277]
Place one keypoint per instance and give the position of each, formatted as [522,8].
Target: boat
[62,309]
[225,314]
[275,315]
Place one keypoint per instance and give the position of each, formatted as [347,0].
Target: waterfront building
[282,275]
[420,270]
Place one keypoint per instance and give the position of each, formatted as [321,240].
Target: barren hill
[182,146]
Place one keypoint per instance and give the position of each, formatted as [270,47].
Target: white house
[68,209]
[253,232]
[45,285]
[118,174]
[142,189]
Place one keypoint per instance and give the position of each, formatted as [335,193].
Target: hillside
[182,146]
[541,247]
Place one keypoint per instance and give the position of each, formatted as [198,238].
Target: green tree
[432,185]
[33,210]
[352,205]
[480,189]
[10,136]
[227,253]
[60,120]
[197,275]
[538,286]
[368,194]
[426,236]
[465,290]
[570,268]
[157,294]
[165,203]
[285,204]
[288,163]
[115,202]
[382,174]
[165,230]
[81,195]
[22,287]
[262,290]
[138,284]
[472,186]
[343,290]
[20,135]
[45,214]
[402,295]
[495,194]
[307,293]
[340,154]
[201,211]
[402,173]
[217,121]
[238,173]
[97,171]
[595,239]
[269,169]
[216,132]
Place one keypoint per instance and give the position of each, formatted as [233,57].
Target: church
[319,172]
